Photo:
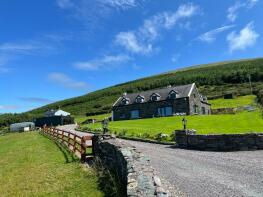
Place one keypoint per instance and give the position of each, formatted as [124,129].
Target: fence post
[74,147]
[57,133]
[68,139]
[83,149]
[62,136]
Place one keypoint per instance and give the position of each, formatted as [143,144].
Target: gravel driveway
[72,129]
[200,174]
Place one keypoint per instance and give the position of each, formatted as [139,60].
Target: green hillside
[213,80]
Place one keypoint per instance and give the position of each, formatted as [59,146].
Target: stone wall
[226,142]
[224,111]
[131,168]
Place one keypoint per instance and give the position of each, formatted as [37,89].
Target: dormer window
[155,97]
[139,99]
[173,94]
[125,101]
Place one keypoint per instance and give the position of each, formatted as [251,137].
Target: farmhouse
[169,101]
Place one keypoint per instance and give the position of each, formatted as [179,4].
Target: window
[155,97]
[135,114]
[125,101]
[165,111]
[139,99]
[172,95]
[122,116]
[196,109]
[203,110]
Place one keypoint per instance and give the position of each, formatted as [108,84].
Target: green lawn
[32,165]
[242,122]
[80,119]
[233,103]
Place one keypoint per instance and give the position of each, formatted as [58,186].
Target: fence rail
[75,143]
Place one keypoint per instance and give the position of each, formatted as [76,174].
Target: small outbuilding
[54,118]
[22,126]
[58,112]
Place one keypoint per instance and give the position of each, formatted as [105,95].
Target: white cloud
[4,69]
[130,42]
[247,37]
[3,61]
[141,40]
[66,81]
[35,100]
[252,3]
[175,57]
[93,12]
[18,47]
[115,4]
[43,46]
[184,11]
[8,107]
[64,4]
[28,47]
[121,4]
[105,62]
[210,36]
[232,12]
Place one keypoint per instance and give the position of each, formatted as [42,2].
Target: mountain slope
[213,80]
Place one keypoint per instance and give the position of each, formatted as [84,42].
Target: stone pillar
[181,137]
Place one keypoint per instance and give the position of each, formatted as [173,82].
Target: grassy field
[32,165]
[242,122]
[233,103]
[80,119]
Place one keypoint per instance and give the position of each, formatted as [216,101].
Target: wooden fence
[78,145]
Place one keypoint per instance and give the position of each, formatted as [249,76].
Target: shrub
[161,136]
[123,133]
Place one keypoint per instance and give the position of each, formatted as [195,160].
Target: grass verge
[32,165]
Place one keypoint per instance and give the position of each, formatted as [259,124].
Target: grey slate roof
[183,91]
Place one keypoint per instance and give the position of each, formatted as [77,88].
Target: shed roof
[22,124]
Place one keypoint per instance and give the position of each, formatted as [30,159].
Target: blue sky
[56,49]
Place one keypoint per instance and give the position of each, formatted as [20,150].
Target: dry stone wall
[133,169]
[227,142]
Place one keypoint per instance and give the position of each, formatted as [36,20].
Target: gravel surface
[200,174]
[71,128]
[203,173]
